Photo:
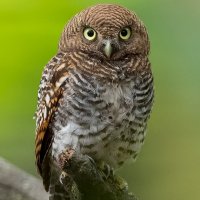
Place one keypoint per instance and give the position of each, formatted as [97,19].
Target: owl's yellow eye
[89,34]
[125,33]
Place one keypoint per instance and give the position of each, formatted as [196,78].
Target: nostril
[113,45]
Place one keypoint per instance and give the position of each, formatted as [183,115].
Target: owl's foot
[107,170]
[109,173]
[64,157]
[62,177]
[123,185]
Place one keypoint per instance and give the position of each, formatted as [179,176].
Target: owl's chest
[89,111]
[96,118]
[92,107]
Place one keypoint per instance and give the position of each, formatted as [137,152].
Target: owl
[96,94]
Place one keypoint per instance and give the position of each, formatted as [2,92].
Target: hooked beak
[107,48]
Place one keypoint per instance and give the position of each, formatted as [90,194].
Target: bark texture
[16,184]
[82,179]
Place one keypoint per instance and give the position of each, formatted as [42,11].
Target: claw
[62,176]
[123,185]
[108,171]
[91,160]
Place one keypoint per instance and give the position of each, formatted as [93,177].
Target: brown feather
[50,96]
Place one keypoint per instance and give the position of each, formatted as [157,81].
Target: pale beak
[107,48]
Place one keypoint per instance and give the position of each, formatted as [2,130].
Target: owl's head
[105,31]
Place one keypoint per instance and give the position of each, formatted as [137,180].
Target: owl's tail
[56,189]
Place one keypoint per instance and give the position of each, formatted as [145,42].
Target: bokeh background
[168,166]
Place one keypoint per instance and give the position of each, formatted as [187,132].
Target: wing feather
[49,95]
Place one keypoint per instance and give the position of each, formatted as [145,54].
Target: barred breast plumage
[96,94]
[104,117]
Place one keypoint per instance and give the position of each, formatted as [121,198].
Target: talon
[123,185]
[91,160]
[108,171]
[62,176]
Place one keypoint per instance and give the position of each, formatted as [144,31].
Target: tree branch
[17,184]
[84,181]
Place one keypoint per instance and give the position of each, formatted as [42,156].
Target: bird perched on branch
[96,94]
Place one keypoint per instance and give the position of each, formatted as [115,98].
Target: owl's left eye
[89,34]
[125,33]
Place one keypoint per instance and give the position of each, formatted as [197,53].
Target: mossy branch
[84,181]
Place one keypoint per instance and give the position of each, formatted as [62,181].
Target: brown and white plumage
[95,96]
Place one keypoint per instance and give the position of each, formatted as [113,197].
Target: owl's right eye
[89,34]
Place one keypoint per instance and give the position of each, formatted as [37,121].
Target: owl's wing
[49,95]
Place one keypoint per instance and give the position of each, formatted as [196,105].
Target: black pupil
[90,33]
[124,32]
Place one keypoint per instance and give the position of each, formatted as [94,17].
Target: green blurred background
[168,166]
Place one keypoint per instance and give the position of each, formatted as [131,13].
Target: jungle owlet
[96,94]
